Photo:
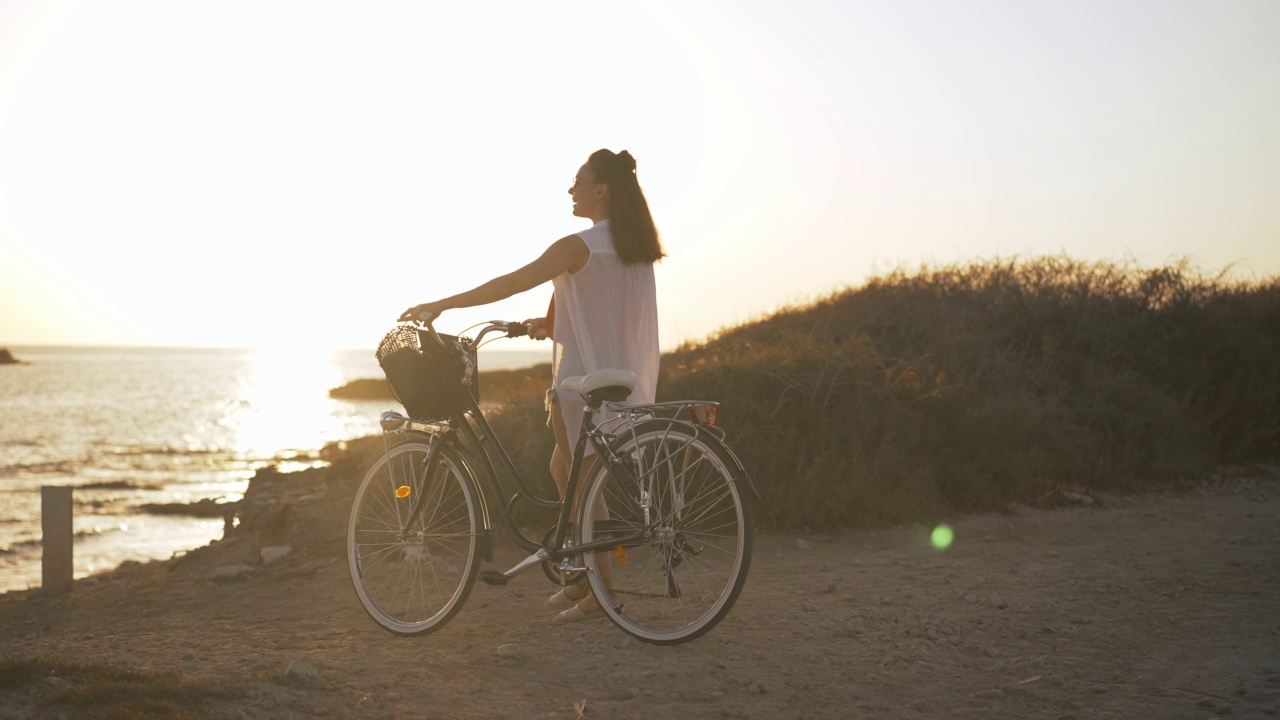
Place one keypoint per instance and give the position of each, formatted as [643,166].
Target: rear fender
[709,434]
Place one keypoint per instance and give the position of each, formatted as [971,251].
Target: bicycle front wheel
[679,583]
[413,571]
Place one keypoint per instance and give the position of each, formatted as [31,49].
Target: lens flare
[942,537]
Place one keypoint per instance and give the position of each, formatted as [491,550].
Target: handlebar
[512,329]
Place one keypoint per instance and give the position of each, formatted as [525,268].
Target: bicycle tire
[680,583]
[413,580]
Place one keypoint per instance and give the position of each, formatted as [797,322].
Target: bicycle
[674,536]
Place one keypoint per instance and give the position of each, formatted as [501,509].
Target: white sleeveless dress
[606,317]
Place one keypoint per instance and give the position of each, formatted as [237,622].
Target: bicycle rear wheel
[412,577]
[679,583]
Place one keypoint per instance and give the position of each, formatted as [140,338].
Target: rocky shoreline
[363,389]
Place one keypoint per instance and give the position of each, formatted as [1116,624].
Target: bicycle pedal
[493,577]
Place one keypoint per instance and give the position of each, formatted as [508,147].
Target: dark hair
[635,238]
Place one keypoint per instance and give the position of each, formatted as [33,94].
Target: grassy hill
[969,387]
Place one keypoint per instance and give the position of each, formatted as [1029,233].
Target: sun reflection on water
[284,412]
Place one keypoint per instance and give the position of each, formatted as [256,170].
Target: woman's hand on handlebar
[422,313]
[537,328]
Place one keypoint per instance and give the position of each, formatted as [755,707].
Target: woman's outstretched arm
[566,254]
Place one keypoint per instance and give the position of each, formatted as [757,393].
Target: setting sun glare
[296,174]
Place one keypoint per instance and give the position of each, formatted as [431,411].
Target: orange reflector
[705,414]
[621,554]
[403,491]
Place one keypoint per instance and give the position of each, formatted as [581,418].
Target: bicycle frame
[482,441]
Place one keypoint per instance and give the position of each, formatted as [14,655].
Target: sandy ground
[1146,607]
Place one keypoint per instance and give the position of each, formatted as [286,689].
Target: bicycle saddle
[608,377]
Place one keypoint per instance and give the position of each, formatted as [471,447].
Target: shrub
[968,387]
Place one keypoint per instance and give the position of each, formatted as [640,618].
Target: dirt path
[1164,607]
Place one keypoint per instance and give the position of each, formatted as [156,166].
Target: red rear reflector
[705,414]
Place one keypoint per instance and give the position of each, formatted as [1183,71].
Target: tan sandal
[563,600]
[576,614]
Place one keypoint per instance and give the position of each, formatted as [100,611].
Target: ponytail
[635,238]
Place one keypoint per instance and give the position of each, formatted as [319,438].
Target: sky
[295,174]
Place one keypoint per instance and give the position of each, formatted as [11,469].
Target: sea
[127,427]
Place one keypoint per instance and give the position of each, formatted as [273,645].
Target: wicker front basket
[425,378]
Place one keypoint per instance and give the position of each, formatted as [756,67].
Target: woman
[605,309]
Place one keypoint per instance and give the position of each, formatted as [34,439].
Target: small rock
[997,601]
[510,650]
[631,693]
[1257,695]
[1056,680]
[53,681]
[757,688]
[301,671]
[806,606]
[274,553]
[1077,498]
[802,544]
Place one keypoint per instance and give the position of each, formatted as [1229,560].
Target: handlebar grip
[517,329]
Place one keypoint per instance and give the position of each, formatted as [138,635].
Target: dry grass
[110,692]
[971,386]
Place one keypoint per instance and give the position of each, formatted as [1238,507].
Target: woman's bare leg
[561,465]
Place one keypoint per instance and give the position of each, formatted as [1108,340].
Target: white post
[58,571]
